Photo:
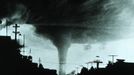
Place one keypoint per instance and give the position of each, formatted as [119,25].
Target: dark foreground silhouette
[14,63]
[118,68]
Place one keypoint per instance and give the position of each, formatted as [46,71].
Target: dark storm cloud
[6,6]
[13,12]
[73,21]
[62,12]
[82,19]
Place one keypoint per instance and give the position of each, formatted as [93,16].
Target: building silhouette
[14,63]
[118,68]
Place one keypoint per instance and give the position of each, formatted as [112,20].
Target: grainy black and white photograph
[67,37]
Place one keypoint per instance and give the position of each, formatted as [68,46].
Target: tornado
[61,39]
[62,43]
[71,21]
[62,54]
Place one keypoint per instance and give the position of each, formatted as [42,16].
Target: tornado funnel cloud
[62,42]
[72,21]
[62,53]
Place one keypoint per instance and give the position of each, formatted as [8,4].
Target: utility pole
[6,30]
[24,40]
[113,56]
[39,60]
[30,52]
[97,63]
[16,31]
[6,26]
